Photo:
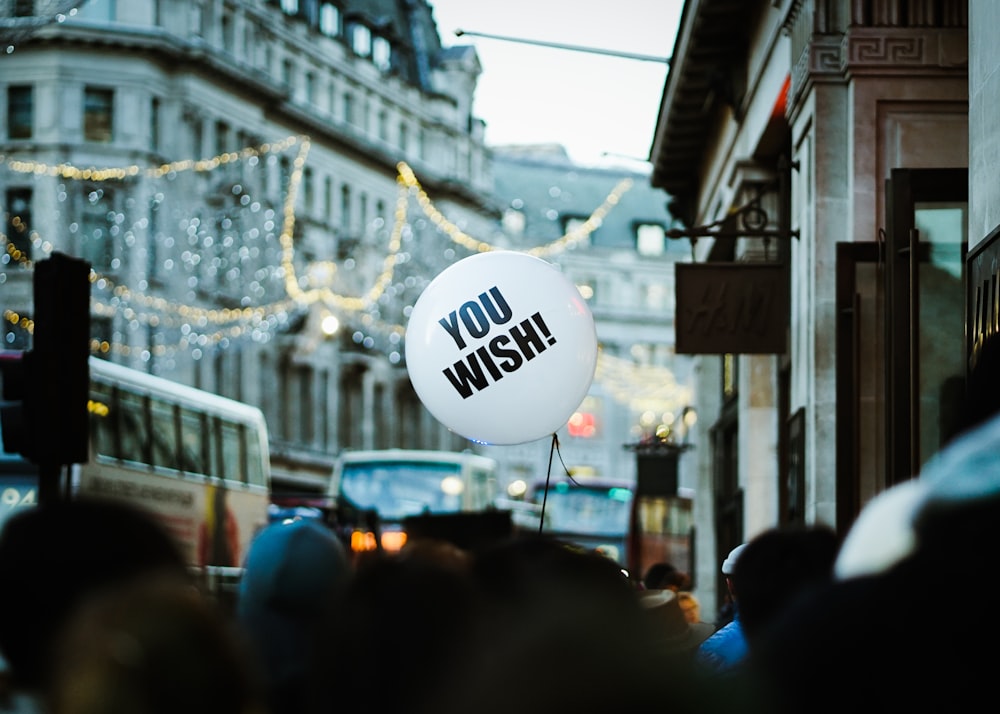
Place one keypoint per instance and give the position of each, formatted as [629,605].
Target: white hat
[730,562]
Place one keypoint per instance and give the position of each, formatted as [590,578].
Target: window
[348,108]
[97,114]
[307,190]
[383,125]
[361,40]
[20,112]
[329,19]
[98,226]
[93,10]
[311,87]
[18,221]
[157,238]
[228,33]
[345,208]
[284,172]
[221,137]
[513,222]
[290,7]
[154,124]
[197,136]
[575,223]
[381,53]
[650,239]
[656,296]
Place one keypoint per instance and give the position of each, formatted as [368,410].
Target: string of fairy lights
[293,291]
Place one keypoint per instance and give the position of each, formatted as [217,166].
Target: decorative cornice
[904,49]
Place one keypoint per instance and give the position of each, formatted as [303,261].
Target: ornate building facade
[263,189]
[232,171]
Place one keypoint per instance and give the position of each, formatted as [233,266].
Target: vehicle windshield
[397,489]
[587,510]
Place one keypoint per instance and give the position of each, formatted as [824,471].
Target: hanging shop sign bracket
[738,307]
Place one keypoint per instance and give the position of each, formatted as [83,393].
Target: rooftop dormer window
[381,53]
[361,40]
[650,239]
[329,19]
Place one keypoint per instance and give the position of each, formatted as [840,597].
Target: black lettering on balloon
[467,376]
[528,340]
[474,319]
[487,360]
[510,359]
[504,353]
[450,325]
[494,308]
[537,317]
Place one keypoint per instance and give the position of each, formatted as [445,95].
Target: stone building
[261,144]
[242,175]
[829,142]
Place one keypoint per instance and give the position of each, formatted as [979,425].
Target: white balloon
[501,348]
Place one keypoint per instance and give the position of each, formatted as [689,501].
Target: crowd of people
[102,616]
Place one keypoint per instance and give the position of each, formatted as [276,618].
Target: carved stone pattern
[825,60]
[886,51]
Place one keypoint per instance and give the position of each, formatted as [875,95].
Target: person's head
[151,647]
[405,622]
[728,565]
[295,574]
[690,605]
[678,634]
[778,566]
[56,556]
[574,621]
[664,575]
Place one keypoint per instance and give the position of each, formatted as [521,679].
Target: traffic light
[13,379]
[45,389]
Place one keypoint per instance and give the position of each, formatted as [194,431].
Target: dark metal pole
[572,48]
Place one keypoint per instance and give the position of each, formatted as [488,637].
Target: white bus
[393,485]
[198,461]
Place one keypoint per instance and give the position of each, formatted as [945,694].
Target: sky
[601,108]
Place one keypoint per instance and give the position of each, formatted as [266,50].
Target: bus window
[397,484]
[234,458]
[146,431]
[133,428]
[195,442]
[253,459]
[594,514]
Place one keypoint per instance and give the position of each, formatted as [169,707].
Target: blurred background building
[263,189]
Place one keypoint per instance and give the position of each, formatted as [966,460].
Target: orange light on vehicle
[393,541]
[362,541]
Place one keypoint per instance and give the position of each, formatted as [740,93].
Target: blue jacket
[723,649]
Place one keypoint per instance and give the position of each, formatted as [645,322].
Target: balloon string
[548,477]
[554,449]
